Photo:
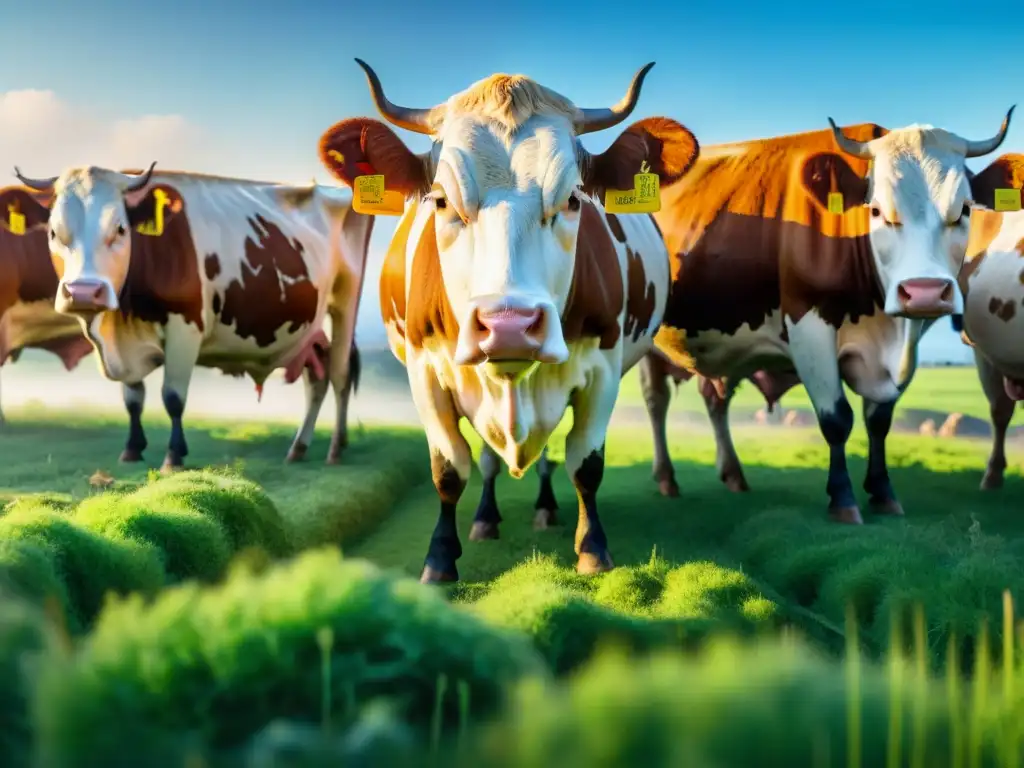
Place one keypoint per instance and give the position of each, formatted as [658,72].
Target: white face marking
[920,213]
[507,215]
[90,235]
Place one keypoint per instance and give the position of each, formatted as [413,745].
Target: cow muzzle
[926,298]
[508,330]
[85,296]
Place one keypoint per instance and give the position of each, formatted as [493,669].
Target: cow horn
[138,182]
[42,185]
[979,148]
[848,145]
[416,120]
[598,119]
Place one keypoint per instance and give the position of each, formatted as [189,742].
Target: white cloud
[42,134]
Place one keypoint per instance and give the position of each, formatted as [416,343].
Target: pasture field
[737,628]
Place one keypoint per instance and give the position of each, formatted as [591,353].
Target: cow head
[89,232]
[919,199]
[501,197]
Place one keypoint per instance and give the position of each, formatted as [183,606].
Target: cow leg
[813,347]
[584,463]
[657,395]
[344,367]
[134,396]
[181,350]
[1001,409]
[3,419]
[316,391]
[730,471]
[485,522]
[546,506]
[878,421]
[450,463]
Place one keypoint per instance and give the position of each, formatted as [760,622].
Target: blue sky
[269,77]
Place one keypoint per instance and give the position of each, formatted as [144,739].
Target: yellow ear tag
[645,197]
[155,228]
[15,220]
[835,202]
[370,197]
[1007,200]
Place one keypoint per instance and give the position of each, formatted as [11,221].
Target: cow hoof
[334,457]
[889,507]
[590,563]
[847,515]
[668,488]
[435,576]
[296,453]
[130,456]
[482,530]
[992,480]
[170,467]
[736,483]
[544,519]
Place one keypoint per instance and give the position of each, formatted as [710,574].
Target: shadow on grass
[955,552]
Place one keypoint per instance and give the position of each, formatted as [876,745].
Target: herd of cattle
[510,293]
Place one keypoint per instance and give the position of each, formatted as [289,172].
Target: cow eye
[53,235]
[120,230]
[964,214]
[573,204]
[441,203]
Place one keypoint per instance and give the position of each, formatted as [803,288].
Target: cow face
[919,201]
[505,185]
[89,233]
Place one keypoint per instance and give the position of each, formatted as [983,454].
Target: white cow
[507,291]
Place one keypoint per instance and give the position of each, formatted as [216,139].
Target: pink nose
[85,295]
[512,334]
[926,297]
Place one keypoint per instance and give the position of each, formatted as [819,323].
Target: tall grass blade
[919,746]
[894,742]
[982,670]
[853,745]
[437,718]
[956,736]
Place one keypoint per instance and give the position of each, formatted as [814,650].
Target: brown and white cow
[507,292]
[232,274]
[992,281]
[28,285]
[766,276]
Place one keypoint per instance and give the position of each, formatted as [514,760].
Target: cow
[795,258]
[655,372]
[28,285]
[226,273]
[992,281]
[507,291]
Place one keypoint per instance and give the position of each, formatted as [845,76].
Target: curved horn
[599,119]
[979,148]
[138,182]
[404,117]
[848,145]
[42,185]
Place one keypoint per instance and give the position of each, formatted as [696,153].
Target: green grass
[54,453]
[206,667]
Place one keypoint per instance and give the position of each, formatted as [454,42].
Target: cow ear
[16,202]
[364,147]
[142,207]
[1006,172]
[829,172]
[668,147]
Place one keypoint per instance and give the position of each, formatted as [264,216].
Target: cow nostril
[904,294]
[947,293]
[97,292]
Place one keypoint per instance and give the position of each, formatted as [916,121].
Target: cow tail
[355,367]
